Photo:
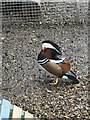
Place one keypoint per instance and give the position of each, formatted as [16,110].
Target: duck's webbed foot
[55,81]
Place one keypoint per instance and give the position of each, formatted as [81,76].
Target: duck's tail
[71,75]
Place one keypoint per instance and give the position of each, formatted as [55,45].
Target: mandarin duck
[49,60]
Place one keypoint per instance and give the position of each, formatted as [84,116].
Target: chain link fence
[18,11]
[32,11]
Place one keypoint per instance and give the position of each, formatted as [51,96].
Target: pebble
[2,38]
[49,91]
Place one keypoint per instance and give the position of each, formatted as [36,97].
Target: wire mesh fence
[20,10]
[31,11]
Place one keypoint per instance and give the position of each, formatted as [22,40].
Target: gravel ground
[27,86]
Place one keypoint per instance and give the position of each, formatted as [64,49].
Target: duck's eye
[44,48]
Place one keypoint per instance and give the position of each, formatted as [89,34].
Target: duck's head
[51,45]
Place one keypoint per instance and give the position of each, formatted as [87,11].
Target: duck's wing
[61,60]
[71,75]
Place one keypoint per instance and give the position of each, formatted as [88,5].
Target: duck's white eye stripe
[47,45]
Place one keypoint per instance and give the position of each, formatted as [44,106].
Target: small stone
[25,97]
[49,91]
[2,38]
